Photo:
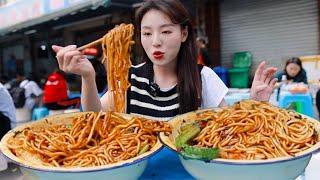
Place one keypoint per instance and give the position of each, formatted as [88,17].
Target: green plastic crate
[239,77]
[242,60]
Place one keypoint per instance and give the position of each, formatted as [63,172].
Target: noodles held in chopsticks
[93,139]
[116,53]
[254,130]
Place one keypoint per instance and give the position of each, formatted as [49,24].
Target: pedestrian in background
[203,57]
[7,111]
[7,116]
[293,72]
[32,92]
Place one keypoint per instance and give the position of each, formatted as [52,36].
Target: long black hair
[189,82]
[296,61]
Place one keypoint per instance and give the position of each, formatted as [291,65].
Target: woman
[168,83]
[293,71]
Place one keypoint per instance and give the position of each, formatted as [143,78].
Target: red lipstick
[158,54]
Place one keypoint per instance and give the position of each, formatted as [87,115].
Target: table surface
[162,165]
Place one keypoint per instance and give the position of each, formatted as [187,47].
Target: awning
[22,14]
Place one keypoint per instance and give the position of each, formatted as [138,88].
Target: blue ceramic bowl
[285,168]
[31,169]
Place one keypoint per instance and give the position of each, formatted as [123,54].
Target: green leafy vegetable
[188,133]
[200,153]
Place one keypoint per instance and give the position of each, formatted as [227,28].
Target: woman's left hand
[263,82]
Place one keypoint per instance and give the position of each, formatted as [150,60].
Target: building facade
[271,30]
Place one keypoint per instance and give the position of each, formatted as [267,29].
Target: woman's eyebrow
[167,25]
[145,27]
[162,26]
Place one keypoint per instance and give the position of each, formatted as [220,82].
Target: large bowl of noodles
[253,140]
[83,146]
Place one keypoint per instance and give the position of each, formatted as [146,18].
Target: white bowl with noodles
[31,169]
[284,168]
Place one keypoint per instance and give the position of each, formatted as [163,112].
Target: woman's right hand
[71,60]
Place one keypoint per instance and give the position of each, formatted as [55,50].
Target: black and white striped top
[165,105]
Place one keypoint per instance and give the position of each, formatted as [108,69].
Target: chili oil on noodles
[252,130]
[92,139]
[116,46]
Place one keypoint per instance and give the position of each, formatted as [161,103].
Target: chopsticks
[94,43]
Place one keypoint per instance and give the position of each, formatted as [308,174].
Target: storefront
[13,60]
[208,26]
[29,35]
[271,30]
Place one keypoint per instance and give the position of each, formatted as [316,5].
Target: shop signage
[26,10]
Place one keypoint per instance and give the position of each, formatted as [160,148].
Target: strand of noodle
[255,130]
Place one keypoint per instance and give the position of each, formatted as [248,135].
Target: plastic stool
[299,107]
[39,113]
[305,100]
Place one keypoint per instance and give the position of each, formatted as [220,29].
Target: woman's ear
[184,34]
